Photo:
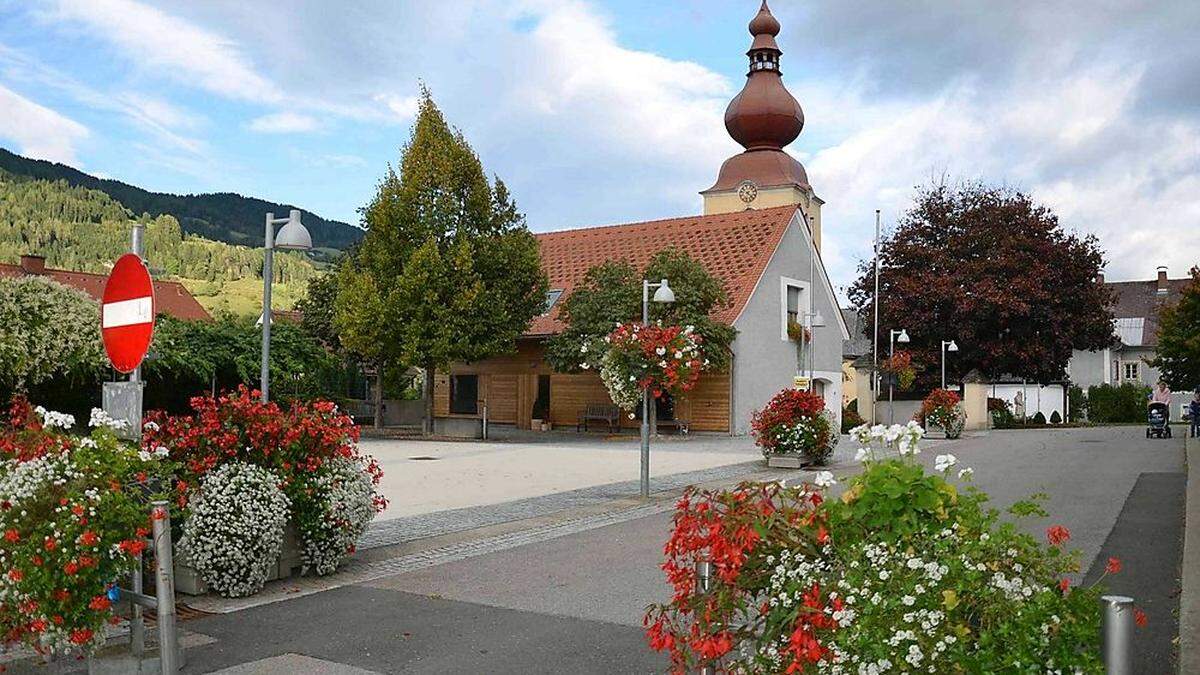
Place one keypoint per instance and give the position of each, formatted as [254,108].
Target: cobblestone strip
[361,572]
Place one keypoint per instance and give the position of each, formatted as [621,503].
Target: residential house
[760,231]
[1136,312]
[170,297]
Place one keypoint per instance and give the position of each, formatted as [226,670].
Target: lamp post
[664,294]
[947,346]
[291,237]
[894,336]
[812,320]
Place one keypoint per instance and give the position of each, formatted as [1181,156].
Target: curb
[1189,597]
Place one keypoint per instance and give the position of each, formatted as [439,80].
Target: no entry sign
[127,313]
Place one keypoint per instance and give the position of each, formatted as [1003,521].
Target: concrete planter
[289,564]
[786,461]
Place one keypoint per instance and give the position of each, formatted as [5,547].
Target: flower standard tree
[447,271]
[49,330]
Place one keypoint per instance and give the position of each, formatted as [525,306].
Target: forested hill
[84,230]
[221,216]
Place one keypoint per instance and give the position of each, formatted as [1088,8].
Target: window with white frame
[1129,370]
[793,303]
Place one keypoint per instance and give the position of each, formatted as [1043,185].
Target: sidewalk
[1189,598]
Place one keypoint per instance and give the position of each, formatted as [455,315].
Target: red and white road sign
[127,313]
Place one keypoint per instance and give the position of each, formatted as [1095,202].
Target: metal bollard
[164,589]
[704,577]
[137,625]
[1116,634]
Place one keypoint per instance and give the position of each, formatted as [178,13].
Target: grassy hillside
[85,230]
[221,216]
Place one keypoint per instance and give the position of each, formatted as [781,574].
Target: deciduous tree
[1178,351]
[994,271]
[448,271]
[49,330]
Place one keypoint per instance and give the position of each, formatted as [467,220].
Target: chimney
[33,264]
[1162,279]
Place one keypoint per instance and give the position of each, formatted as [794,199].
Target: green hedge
[1108,403]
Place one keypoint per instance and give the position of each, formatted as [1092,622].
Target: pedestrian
[1194,414]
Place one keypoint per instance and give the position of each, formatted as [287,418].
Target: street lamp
[894,336]
[812,320]
[291,237]
[663,294]
[947,346]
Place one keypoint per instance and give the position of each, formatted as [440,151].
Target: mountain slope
[221,216]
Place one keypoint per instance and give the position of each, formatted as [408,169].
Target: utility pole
[875,338]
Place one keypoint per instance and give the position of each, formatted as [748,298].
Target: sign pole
[137,247]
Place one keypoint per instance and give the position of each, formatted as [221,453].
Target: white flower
[908,600]
[678,354]
[150,426]
[824,479]
[861,454]
[87,442]
[583,348]
[161,451]
[100,418]
[51,418]
[944,462]
[660,351]
[584,365]
[966,473]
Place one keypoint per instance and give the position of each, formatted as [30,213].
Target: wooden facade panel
[501,397]
[509,384]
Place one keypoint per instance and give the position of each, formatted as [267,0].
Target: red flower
[159,513]
[15,575]
[71,568]
[1057,534]
[77,510]
[100,603]
[88,538]
[1113,566]
[81,636]
[12,536]
[1064,585]
[1139,617]
[38,625]
[51,544]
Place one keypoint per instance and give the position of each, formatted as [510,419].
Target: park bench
[600,412]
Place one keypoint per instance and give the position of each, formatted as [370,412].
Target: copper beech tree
[993,270]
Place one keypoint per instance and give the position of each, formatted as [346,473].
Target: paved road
[573,604]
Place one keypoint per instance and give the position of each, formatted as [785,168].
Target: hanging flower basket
[900,367]
[661,359]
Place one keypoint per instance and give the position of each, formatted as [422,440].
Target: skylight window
[552,297]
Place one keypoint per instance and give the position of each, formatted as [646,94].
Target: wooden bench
[678,425]
[600,412]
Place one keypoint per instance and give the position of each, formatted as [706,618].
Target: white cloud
[283,123]
[403,107]
[37,130]
[153,40]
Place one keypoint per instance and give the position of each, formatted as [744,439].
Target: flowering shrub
[900,365]
[943,408]
[73,516]
[309,447]
[795,421]
[905,571]
[234,531]
[663,359]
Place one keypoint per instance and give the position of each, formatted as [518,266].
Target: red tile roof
[170,296]
[733,246]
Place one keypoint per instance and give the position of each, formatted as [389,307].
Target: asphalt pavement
[573,604]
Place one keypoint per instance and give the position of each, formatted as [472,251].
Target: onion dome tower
[763,118]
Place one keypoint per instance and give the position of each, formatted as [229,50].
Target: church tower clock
[764,118]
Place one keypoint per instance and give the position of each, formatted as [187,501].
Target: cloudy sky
[600,112]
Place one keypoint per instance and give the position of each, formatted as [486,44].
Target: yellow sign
[801,382]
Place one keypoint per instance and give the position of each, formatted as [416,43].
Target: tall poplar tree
[448,270]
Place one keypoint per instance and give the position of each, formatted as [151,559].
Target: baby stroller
[1158,416]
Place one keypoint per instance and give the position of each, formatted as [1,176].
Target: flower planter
[787,461]
[189,582]
[934,431]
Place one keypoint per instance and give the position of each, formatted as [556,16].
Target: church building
[760,231]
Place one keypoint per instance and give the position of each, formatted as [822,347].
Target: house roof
[171,297]
[859,343]
[733,246]
[1140,300]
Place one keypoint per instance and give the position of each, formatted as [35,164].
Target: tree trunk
[427,418]
[378,396]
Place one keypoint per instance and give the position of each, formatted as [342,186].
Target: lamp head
[293,236]
[664,293]
[952,347]
[903,336]
[817,321]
